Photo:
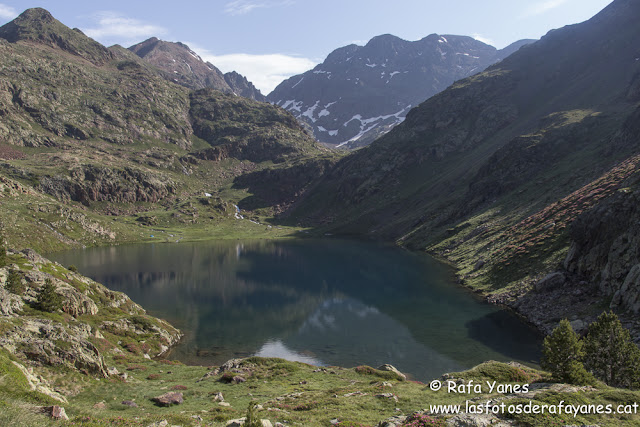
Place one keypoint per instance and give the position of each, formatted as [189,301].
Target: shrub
[610,354]
[14,283]
[48,299]
[72,268]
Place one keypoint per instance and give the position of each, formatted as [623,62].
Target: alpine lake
[324,302]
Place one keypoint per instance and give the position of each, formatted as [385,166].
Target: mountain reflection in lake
[323,302]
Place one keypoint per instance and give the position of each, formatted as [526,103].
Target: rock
[130,403]
[578,325]
[227,404]
[100,405]
[387,396]
[168,399]
[10,304]
[218,397]
[113,371]
[479,264]
[476,420]
[39,384]
[236,423]
[628,296]
[394,421]
[550,282]
[391,368]
[238,379]
[56,412]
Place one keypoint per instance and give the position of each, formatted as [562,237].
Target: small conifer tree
[48,299]
[562,355]
[14,283]
[610,354]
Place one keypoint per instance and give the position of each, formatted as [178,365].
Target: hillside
[360,92]
[493,172]
[90,134]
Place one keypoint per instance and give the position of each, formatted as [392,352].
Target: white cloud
[483,39]
[541,7]
[241,7]
[264,71]
[114,26]
[7,12]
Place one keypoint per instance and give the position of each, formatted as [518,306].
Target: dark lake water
[323,302]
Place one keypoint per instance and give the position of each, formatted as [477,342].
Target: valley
[517,168]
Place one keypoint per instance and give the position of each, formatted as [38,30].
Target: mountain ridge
[361,92]
[185,67]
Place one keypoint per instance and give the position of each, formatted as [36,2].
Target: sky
[271,40]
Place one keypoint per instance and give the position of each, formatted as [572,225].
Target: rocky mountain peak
[39,26]
[182,65]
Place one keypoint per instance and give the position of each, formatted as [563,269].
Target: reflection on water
[323,302]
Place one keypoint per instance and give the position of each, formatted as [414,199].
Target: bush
[14,283]
[48,299]
[610,354]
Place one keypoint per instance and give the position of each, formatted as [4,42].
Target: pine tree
[610,354]
[562,355]
[48,299]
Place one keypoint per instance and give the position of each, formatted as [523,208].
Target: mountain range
[360,92]
[492,173]
[524,177]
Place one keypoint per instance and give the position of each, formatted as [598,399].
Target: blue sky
[270,40]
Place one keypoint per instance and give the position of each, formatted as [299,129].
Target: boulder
[550,282]
[391,368]
[168,399]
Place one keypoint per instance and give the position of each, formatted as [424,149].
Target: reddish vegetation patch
[178,387]
[7,152]
[555,218]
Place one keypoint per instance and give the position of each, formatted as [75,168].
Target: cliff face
[605,247]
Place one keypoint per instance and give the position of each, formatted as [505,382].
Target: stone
[238,379]
[391,368]
[479,264]
[39,384]
[578,325]
[227,404]
[56,412]
[168,399]
[100,405]
[476,420]
[236,423]
[218,397]
[387,396]
[550,282]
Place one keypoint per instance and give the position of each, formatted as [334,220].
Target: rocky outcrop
[45,341]
[605,247]
[93,183]
[50,343]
